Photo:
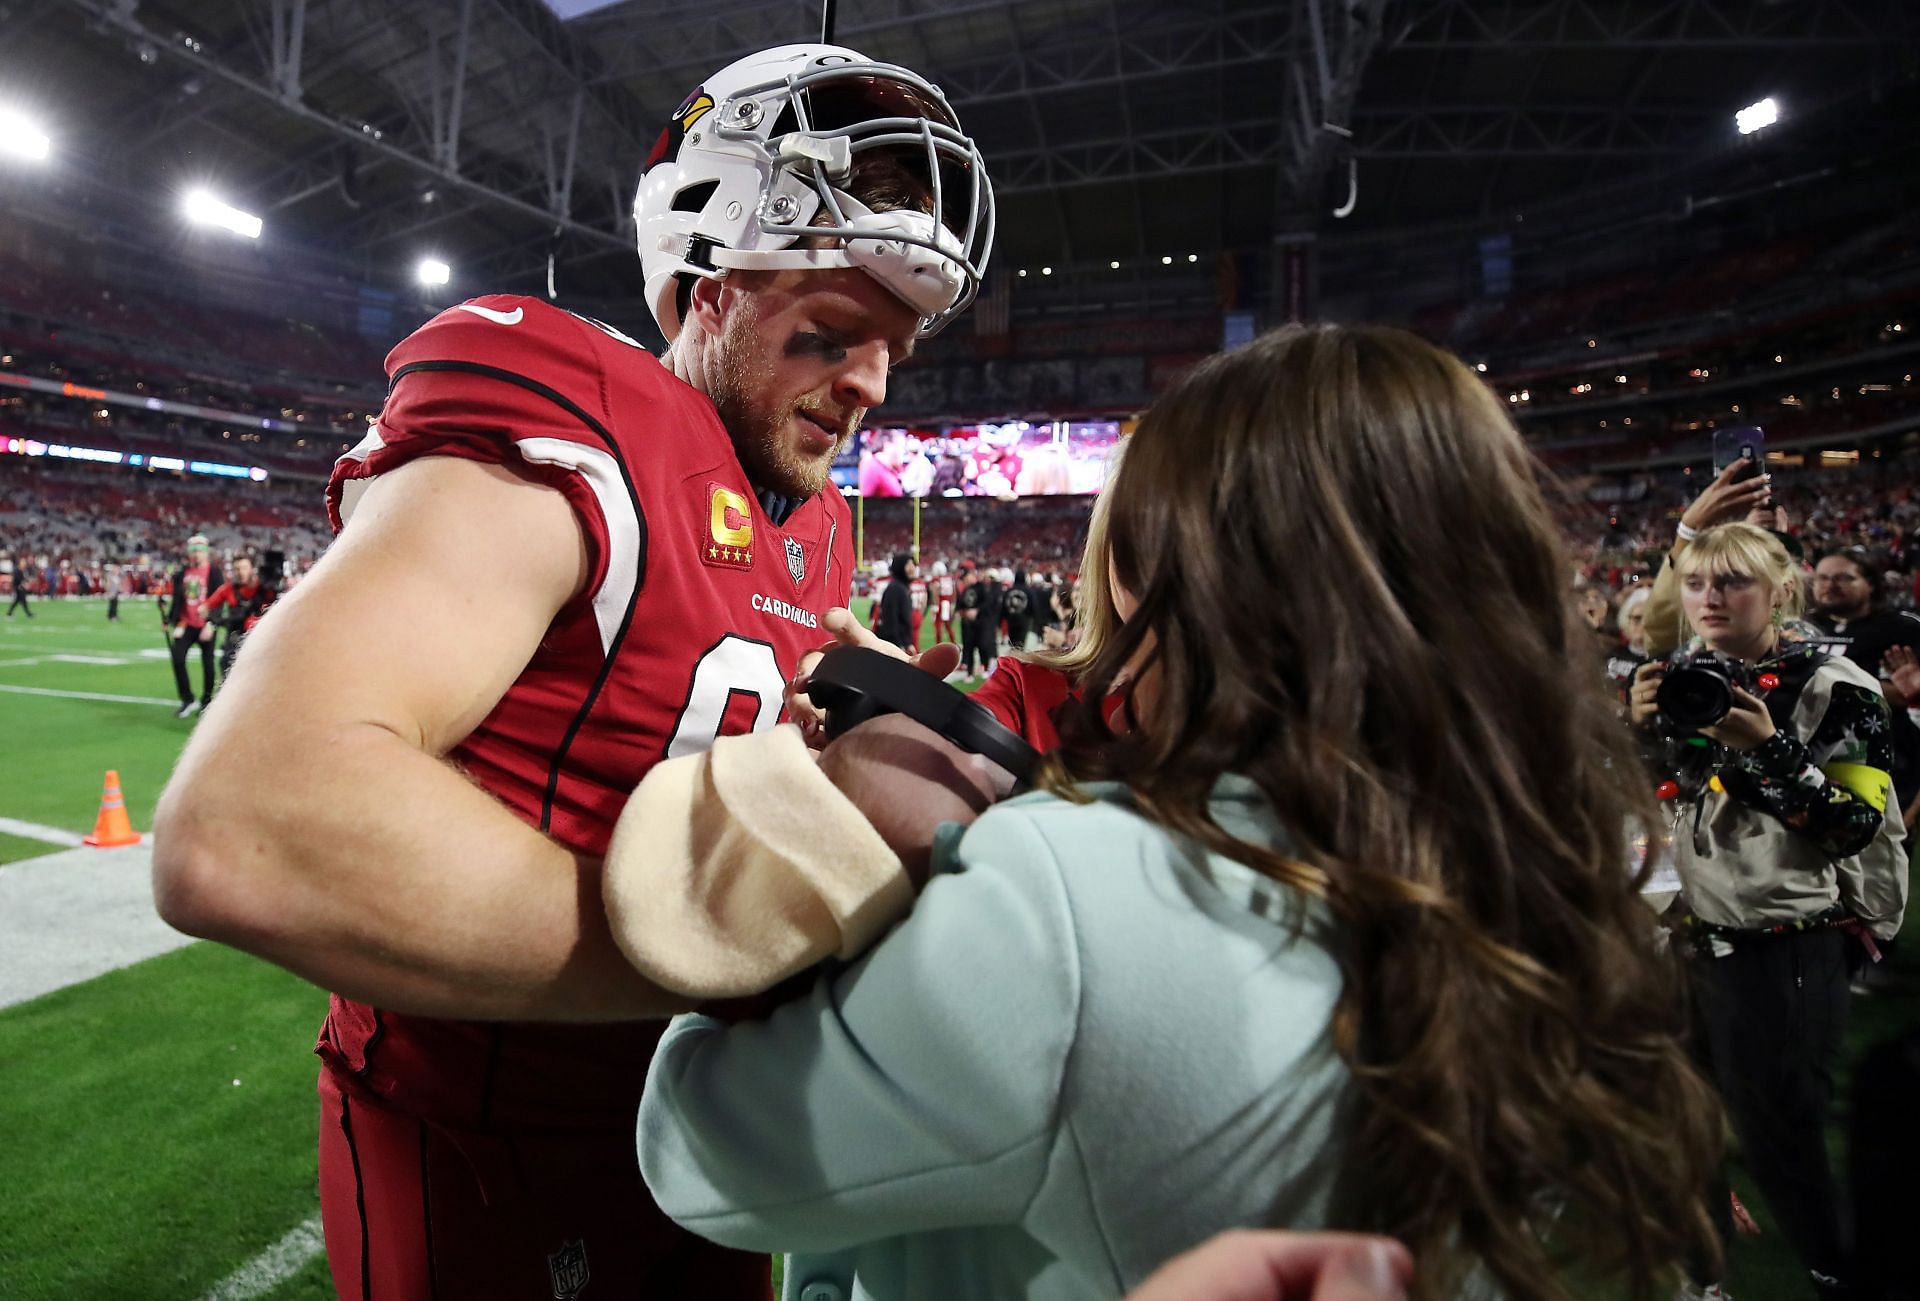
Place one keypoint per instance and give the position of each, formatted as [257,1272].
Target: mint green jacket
[1090,1047]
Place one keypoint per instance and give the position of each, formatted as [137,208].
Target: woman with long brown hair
[1330,927]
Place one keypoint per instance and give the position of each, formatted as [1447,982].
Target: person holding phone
[1739,490]
[1788,849]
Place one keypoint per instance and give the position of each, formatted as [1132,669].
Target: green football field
[157,1123]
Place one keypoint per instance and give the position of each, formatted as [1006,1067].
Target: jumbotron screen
[1057,458]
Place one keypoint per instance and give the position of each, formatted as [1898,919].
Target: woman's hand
[1646,685]
[938,660]
[1746,725]
[1273,1265]
[1727,498]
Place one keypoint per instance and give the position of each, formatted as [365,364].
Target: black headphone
[854,684]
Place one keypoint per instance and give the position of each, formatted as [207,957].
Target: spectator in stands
[894,623]
[1852,620]
[1787,848]
[1307,938]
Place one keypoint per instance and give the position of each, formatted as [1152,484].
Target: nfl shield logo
[568,1268]
[796,562]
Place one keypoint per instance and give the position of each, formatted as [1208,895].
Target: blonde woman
[1787,848]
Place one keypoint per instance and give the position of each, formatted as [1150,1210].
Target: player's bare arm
[314,821]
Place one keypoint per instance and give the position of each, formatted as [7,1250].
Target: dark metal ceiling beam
[718,37]
[117,17]
[1611,24]
[1397,133]
[577,67]
[1127,53]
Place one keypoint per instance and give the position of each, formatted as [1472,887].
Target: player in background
[417,822]
[185,620]
[917,590]
[943,626]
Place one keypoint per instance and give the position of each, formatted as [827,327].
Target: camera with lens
[1697,691]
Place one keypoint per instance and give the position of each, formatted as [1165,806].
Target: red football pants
[413,1211]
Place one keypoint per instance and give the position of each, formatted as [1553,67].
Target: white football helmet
[751,158]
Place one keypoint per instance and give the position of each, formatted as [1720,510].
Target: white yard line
[274,1266]
[35,831]
[88,695]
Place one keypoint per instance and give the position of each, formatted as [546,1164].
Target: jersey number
[735,666]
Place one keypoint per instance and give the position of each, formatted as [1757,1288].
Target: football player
[421,817]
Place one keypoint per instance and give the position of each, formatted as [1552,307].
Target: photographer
[1786,848]
[237,606]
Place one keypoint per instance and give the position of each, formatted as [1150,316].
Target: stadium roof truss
[1115,128]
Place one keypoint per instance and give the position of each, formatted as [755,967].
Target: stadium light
[20,138]
[203,208]
[1755,116]
[432,271]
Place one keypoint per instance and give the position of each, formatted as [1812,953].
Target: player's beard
[741,374]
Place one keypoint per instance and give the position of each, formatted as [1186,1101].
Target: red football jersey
[1023,696]
[696,612]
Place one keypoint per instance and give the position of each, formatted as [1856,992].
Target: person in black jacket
[186,623]
[1850,619]
[895,623]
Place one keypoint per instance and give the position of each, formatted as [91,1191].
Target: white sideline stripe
[34,831]
[274,1266]
[74,914]
[101,661]
[87,695]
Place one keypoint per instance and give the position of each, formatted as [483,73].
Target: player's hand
[907,780]
[938,660]
[1728,499]
[1746,725]
[1273,1265]
[1903,676]
[206,632]
[1646,685]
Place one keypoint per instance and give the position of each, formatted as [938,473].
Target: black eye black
[807,341]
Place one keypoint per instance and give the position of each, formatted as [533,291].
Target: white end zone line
[88,695]
[274,1266]
[35,831]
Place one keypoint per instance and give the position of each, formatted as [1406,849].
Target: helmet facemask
[837,111]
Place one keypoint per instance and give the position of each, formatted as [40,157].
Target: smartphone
[1746,443]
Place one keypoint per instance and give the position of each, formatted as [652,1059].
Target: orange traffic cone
[111,828]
